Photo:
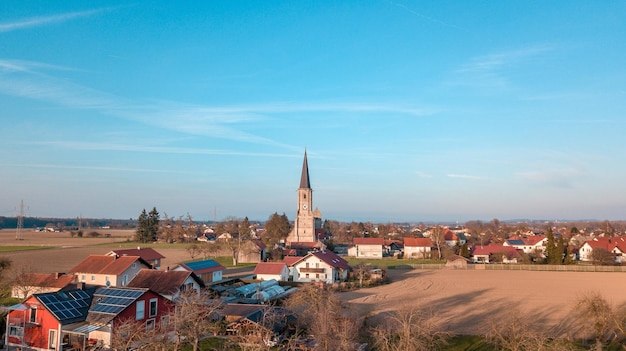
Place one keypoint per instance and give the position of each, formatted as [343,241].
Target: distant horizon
[431,111]
[508,221]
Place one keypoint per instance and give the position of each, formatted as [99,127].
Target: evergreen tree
[141,234]
[153,225]
[554,253]
[147,226]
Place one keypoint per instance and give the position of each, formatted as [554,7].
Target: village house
[453,238]
[495,253]
[208,270]
[528,244]
[417,248]
[367,248]
[272,270]
[45,321]
[148,254]
[105,270]
[321,266]
[616,246]
[168,284]
[34,283]
[252,251]
[111,308]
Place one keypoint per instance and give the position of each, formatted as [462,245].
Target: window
[83,278]
[16,331]
[33,314]
[52,339]
[140,310]
[317,275]
[165,322]
[150,324]
[307,276]
[134,265]
[125,280]
[153,307]
[93,277]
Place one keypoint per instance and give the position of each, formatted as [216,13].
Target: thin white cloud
[24,79]
[46,20]
[91,168]
[489,71]
[465,176]
[149,149]
[423,175]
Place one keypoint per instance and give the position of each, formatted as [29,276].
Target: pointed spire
[304,179]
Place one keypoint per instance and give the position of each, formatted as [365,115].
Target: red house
[42,320]
[78,319]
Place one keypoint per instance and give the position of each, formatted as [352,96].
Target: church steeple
[304,178]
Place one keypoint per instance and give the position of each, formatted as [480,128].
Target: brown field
[464,301]
[470,301]
[66,252]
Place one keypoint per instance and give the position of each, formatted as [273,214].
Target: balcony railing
[312,270]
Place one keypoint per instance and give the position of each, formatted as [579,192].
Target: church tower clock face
[304,207]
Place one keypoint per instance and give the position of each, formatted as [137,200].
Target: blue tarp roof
[198,265]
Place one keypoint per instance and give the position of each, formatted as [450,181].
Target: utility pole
[20,222]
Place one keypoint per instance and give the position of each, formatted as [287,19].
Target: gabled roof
[259,243]
[269,268]
[234,312]
[109,302]
[202,267]
[68,306]
[162,282]
[369,241]
[147,253]
[49,280]
[418,242]
[329,257]
[290,260]
[510,251]
[104,264]
[513,242]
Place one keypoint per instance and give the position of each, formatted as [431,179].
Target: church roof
[304,179]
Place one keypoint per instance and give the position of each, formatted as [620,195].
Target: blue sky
[408,110]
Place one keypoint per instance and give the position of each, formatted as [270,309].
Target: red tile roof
[418,242]
[290,260]
[49,280]
[369,241]
[162,282]
[269,268]
[147,253]
[510,251]
[104,264]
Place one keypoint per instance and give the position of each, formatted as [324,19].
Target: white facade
[313,269]
[417,251]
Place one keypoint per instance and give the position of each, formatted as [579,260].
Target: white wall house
[322,266]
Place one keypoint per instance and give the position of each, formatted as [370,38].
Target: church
[308,222]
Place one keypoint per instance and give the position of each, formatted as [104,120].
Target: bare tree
[334,326]
[362,272]
[195,317]
[437,236]
[409,328]
[23,281]
[599,319]
[517,332]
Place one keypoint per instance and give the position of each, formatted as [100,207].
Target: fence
[516,267]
